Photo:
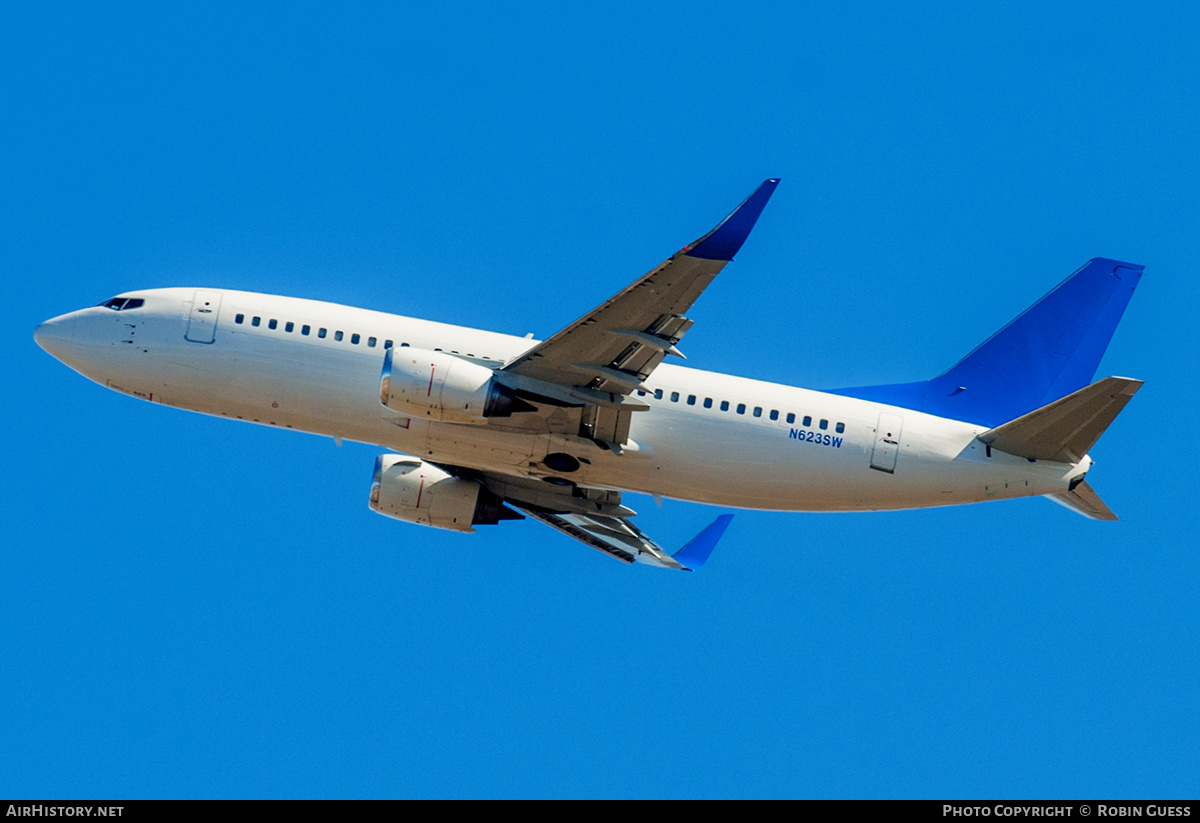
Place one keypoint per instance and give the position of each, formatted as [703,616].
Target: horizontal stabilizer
[1084,500]
[1066,429]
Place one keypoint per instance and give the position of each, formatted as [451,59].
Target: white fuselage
[709,437]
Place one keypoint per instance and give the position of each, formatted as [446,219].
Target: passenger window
[840,427]
[658,394]
[321,333]
[741,408]
[272,323]
[724,405]
[807,420]
[256,321]
[371,342]
[387,344]
[354,338]
[758,411]
[239,319]
[674,397]
[708,402]
[290,325]
[791,418]
[774,414]
[824,424]
[337,335]
[640,392]
[304,330]
[691,399]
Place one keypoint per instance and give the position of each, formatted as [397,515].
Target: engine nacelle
[438,386]
[410,489]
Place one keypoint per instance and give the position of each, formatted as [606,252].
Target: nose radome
[54,335]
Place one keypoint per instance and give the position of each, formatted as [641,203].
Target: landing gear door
[202,320]
[887,442]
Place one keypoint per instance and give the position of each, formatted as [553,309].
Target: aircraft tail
[1064,431]
[1049,351]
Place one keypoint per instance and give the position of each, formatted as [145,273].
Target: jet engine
[410,489]
[438,386]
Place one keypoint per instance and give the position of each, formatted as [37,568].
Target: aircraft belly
[484,447]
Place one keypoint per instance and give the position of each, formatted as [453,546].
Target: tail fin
[1066,429]
[1049,351]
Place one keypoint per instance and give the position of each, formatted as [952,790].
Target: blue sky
[193,607]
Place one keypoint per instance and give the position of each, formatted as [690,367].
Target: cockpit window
[123,303]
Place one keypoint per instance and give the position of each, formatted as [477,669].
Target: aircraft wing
[597,518]
[614,348]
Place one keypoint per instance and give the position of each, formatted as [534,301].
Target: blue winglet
[723,242]
[696,552]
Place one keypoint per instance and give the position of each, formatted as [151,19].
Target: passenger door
[202,321]
[887,442]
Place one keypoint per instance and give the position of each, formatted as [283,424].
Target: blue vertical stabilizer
[1051,350]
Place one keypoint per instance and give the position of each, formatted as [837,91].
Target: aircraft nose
[54,336]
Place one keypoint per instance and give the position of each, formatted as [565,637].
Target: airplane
[484,427]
